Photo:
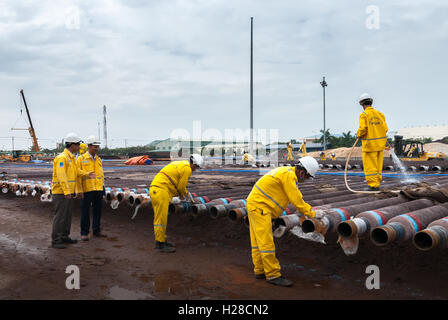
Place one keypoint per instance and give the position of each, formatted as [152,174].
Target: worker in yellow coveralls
[290,148]
[372,130]
[267,200]
[172,180]
[303,148]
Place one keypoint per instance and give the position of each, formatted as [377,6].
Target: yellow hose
[345,172]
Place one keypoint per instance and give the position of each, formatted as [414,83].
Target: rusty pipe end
[347,229]
[237,214]
[430,238]
[171,208]
[217,211]
[384,235]
[309,225]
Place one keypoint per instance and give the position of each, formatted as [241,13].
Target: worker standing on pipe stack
[372,130]
[93,189]
[172,180]
[333,156]
[65,188]
[290,148]
[268,200]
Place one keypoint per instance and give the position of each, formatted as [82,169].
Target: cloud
[159,65]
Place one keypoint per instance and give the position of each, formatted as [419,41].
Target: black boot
[280,281]
[163,247]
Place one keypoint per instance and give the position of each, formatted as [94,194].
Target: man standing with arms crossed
[66,186]
[93,189]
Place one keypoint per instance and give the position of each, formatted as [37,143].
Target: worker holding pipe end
[93,189]
[268,200]
[172,180]
[65,188]
[372,131]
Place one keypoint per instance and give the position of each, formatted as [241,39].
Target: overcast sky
[160,65]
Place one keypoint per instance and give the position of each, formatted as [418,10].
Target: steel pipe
[221,210]
[435,235]
[404,226]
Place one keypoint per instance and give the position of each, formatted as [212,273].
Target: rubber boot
[280,281]
[163,247]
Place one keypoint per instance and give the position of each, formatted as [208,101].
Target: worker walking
[290,148]
[172,180]
[303,148]
[372,130]
[93,189]
[66,186]
[267,200]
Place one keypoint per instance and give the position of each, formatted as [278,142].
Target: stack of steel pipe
[342,211]
[405,226]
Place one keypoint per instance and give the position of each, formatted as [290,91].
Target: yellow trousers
[262,241]
[373,167]
[290,157]
[160,200]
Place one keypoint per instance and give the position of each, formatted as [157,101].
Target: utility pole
[105,126]
[99,131]
[251,88]
[324,84]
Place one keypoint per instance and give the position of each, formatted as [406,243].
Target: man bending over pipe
[267,200]
[372,130]
[172,180]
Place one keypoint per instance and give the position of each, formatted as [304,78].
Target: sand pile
[436,147]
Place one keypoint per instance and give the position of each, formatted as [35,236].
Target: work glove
[319,214]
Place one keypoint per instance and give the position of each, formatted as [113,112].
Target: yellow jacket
[86,164]
[179,172]
[303,148]
[66,176]
[276,189]
[372,130]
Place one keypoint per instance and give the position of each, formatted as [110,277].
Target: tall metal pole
[99,131]
[324,84]
[105,126]
[251,89]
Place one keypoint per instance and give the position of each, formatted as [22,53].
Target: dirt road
[212,262]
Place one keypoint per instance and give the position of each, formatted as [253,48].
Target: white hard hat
[93,141]
[333,154]
[365,96]
[72,138]
[310,164]
[197,159]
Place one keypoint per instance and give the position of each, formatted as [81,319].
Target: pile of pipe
[24,188]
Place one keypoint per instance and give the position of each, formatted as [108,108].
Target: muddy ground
[212,261]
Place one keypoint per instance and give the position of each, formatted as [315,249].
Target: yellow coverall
[267,200]
[323,156]
[85,165]
[66,175]
[303,149]
[290,148]
[82,148]
[372,130]
[162,191]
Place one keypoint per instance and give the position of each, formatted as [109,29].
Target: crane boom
[31,128]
